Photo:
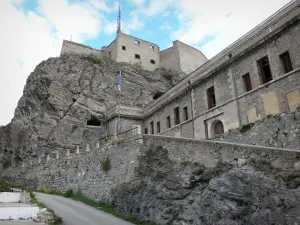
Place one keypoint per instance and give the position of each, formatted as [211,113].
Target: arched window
[136,42]
[152,61]
[151,47]
[94,121]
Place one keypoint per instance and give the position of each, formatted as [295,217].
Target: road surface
[77,213]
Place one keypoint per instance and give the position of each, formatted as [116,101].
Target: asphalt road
[77,213]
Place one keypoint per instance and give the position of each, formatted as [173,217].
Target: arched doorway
[217,127]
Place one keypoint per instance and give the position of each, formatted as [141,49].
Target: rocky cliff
[167,192]
[61,95]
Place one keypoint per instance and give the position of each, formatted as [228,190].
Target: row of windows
[137,56]
[264,72]
[137,42]
[168,120]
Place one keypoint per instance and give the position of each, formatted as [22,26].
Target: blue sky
[33,30]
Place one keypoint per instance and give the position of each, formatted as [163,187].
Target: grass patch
[117,141]
[93,59]
[246,127]
[106,164]
[108,209]
[57,219]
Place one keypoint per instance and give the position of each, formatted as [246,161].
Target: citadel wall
[82,171]
[69,47]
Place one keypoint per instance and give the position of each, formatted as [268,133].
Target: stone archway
[217,127]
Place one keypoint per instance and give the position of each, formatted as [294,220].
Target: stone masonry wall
[84,174]
[282,131]
[69,47]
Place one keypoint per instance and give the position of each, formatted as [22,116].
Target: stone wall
[70,47]
[143,49]
[82,171]
[190,58]
[282,131]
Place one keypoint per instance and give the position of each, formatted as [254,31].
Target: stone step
[17,211]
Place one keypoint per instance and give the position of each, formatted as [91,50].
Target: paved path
[77,213]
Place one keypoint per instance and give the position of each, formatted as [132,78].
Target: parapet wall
[70,47]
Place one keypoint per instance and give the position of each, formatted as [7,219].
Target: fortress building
[256,76]
[126,48]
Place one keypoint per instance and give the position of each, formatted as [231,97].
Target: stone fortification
[173,180]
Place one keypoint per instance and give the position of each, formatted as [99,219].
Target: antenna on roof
[119,20]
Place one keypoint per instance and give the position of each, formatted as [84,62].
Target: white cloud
[199,19]
[137,2]
[135,22]
[28,38]
[165,26]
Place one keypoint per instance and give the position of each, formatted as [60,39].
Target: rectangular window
[264,69]
[151,127]
[247,82]
[176,116]
[158,127]
[123,47]
[146,131]
[168,122]
[185,113]
[211,98]
[286,62]
[137,56]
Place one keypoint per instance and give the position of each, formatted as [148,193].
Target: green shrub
[4,187]
[246,127]
[106,164]
[46,191]
[68,193]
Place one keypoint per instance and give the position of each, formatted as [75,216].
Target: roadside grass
[57,219]
[105,208]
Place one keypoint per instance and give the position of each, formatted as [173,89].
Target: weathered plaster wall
[168,110]
[143,49]
[169,58]
[190,58]
[70,47]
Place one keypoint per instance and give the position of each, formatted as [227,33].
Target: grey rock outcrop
[190,194]
[62,94]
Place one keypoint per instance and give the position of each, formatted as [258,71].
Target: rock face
[190,194]
[62,94]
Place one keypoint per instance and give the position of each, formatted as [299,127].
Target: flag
[119,81]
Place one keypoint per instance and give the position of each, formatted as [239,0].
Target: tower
[119,20]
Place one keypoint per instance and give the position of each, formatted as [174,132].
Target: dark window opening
[94,121]
[286,62]
[265,70]
[158,127]
[146,130]
[152,61]
[219,128]
[136,42]
[176,116]
[185,113]
[123,47]
[157,95]
[137,56]
[211,98]
[151,47]
[247,82]
[168,122]
[109,53]
[151,127]
[5,150]
[74,100]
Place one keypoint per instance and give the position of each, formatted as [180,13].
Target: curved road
[78,213]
